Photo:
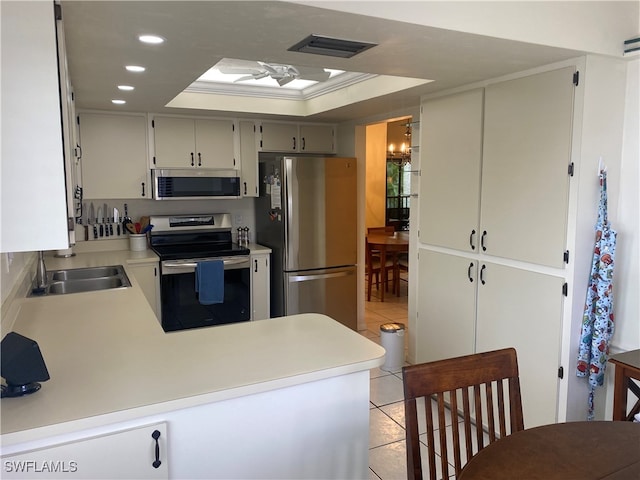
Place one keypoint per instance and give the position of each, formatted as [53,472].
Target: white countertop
[109,359]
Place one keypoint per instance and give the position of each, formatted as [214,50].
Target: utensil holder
[137,242]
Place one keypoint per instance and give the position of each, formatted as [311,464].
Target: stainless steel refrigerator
[306,213]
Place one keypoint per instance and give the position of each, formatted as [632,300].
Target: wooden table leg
[383,267]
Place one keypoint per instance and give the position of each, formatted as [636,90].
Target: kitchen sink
[76,280]
[86,273]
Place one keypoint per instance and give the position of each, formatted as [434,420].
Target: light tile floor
[387,454]
[387,450]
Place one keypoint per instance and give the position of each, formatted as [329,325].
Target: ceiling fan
[283,74]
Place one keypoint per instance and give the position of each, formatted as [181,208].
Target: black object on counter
[22,365]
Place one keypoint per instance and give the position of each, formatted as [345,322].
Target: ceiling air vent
[334,47]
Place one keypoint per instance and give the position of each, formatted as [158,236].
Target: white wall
[627,274]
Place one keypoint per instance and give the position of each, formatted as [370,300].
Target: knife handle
[95,232]
[111,229]
[101,230]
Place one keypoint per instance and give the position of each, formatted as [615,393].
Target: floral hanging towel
[598,320]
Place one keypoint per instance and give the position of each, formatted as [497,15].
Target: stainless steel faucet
[41,271]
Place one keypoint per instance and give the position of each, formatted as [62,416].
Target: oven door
[181,308]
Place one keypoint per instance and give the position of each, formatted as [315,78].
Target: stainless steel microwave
[194,184]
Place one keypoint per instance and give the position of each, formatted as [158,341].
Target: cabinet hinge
[571,169]
[565,256]
[154,160]
[565,289]
[155,271]
[153,124]
[233,127]
[561,372]
[57,11]
[260,128]
[260,143]
[576,78]
[254,129]
[234,162]
[78,119]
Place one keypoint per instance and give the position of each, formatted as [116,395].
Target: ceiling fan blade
[255,76]
[269,68]
[312,73]
[239,70]
[284,80]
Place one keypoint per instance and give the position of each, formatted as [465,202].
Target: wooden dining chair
[374,267]
[473,387]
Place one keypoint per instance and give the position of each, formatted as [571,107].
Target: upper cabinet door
[317,138]
[214,143]
[525,180]
[279,137]
[451,159]
[248,158]
[175,142]
[114,155]
[34,207]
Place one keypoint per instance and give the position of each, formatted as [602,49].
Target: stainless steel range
[183,242]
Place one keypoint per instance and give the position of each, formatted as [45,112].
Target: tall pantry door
[526,156]
[451,160]
[523,309]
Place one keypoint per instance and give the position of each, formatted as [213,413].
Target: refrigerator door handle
[302,278]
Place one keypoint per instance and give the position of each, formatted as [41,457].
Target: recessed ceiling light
[153,39]
[126,88]
[135,68]
[118,101]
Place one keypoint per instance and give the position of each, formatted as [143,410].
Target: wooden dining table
[392,245]
[561,451]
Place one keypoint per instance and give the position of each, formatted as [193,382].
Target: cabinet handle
[143,189]
[303,143]
[484,234]
[193,163]
[469,272]
[256,267]
[482,274]
[294,143]
[473,232]
[245,188]
[156,435]
[199,160]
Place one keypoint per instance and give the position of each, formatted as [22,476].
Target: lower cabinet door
[523,309]
[446,306]
[139,453]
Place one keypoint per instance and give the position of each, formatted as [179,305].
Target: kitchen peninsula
[277,398]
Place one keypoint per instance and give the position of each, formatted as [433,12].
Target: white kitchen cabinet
[525,167]
[317,138]
[147,275]
[128,453]
[502,170]
[260,286]
[297,138]
[248,158]
[188,142]
[451,160]
[278,137]
[33,175]
[114,155]
[472,306]
[523,309]
[446,306]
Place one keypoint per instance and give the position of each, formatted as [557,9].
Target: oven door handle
[230,261]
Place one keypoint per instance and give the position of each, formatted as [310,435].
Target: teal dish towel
[210,282]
